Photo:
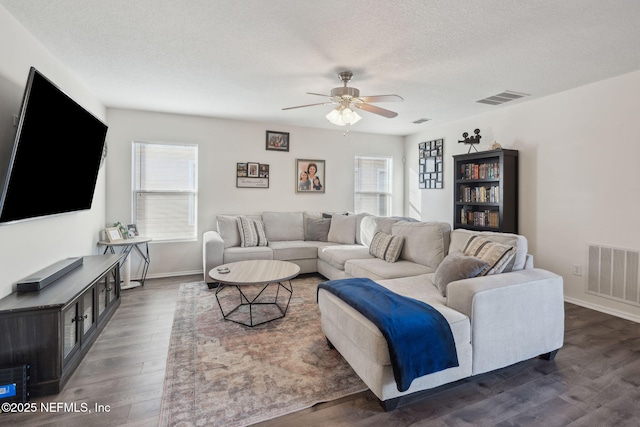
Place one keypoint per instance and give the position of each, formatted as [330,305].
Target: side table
[126,246]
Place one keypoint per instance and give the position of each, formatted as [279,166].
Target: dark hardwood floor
[594,380]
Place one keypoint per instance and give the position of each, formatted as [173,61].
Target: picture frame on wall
[252,170]
[252,175]
[310,176]
[277,141]
[430,164]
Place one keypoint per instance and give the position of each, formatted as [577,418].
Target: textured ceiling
[247,59]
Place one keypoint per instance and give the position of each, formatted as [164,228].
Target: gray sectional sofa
[496,320]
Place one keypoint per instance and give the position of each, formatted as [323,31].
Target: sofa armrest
[212,252]
[514,316]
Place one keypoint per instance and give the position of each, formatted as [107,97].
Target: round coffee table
[255,273]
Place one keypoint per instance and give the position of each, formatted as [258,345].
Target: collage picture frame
[252,175]
[430,167]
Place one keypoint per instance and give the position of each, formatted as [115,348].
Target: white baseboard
[603,309]
[172,274]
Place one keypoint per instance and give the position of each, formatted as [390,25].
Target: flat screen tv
[56,155]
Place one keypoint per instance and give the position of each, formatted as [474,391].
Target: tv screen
[56,155]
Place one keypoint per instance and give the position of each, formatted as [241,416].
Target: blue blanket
[419,338]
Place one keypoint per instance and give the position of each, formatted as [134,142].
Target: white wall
[30,246]
[579,175]
[222,144]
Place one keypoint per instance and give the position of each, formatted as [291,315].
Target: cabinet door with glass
[79,322]
[107,291]
[70,331]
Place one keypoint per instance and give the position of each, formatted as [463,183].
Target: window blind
[373,187]
[165,190]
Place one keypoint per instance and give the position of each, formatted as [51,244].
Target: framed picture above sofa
[277,141]
[252,175]
[310,176]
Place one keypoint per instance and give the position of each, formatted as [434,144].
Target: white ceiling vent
[422,120]
[503,97]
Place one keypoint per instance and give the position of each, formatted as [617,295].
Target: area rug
[220,373]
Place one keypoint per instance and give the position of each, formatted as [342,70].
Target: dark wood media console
[52,329]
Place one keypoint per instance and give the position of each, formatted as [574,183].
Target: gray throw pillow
[317,229]
[457,266]
[228,229]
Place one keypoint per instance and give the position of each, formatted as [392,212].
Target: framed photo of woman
[310,176]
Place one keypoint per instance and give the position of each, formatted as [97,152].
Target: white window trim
[388,194]
[193,218]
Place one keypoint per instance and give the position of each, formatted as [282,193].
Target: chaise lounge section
[507,313]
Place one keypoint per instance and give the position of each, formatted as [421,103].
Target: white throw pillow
[343,229]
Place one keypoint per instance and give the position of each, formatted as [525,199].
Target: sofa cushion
[337,255]
[425,243]
[317,229]
[377,269]
[251,232]
[497,255]
[457,266]
[294,249]
[368,338]
[228,229]
[359,218]
[386,247]
[370,225]
[242,254]
[309,214]
[343,229]
[460,237]
[283,225]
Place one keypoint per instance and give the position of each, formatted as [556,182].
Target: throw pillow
[457,266]
[228,229]
[251,232]
[496,254]
[386,247]
[342,229]
[394,249]
[317,229]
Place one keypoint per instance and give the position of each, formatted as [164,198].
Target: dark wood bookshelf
[486,191]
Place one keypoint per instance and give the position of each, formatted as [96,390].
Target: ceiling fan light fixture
[341,116]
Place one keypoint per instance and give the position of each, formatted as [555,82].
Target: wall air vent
[503,97]
[417,122]
[614,273]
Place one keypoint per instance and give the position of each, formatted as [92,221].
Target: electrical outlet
[577,270]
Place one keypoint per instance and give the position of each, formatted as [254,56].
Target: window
[373,185]
[165,190]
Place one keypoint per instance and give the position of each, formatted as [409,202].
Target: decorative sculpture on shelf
[471,140]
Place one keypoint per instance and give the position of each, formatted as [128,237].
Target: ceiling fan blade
[319,94]
[376,110]
[309,105]
[382,98]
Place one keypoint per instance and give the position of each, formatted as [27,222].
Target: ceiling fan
[348,97]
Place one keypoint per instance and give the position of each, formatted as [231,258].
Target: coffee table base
[251,303]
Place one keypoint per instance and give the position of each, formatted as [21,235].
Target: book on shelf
[479,194]
[480,170]
[486,218]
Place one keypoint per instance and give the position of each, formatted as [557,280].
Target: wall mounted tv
[56,155]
